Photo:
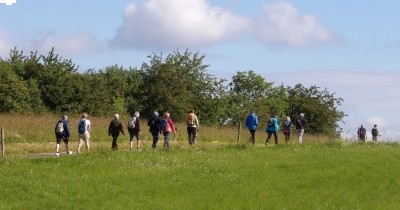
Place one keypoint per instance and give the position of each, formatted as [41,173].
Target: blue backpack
[163,124]
[81,127]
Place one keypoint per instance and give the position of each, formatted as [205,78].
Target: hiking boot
[57,154]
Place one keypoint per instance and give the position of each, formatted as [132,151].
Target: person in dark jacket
[287,126]
[62,132]
[252,124]
[154,124]
[114,130]
[134,130]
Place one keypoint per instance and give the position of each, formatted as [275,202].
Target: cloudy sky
[352,48]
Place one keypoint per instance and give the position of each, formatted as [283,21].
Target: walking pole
[2,142]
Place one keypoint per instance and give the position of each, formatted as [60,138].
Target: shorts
[132,135]
[85,136]
[58,140]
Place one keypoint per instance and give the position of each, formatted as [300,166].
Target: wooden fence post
[238,135]
[2,142]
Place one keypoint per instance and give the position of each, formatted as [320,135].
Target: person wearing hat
[301,123]
[134,130]
[154,124]
[114,129]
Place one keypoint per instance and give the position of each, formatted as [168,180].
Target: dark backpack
[163,124]
[374,132]
[362,132]
[81,127]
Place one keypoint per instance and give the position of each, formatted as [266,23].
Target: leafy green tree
[319,106]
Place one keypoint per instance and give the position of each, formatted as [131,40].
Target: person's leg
[301,132]
[66,145]
[80,143]
[253,138]
[87,141]
[114,143]
[276,137]
[166,138]
[155,138]
[57,146]
[189,132]
[194,133]
[268,138]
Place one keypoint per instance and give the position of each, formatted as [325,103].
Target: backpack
[362,132]
[60,127]
[81,127]
[132,122]
[374,132]
[271,123]
[190,120]
[164,125]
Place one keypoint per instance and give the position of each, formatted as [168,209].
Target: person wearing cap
[114,129]
[84,128]
[62,132]
[154,124]
[375,133]
[134,130]
[301,123]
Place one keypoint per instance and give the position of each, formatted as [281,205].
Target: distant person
[84,128]
[62,132]
[192,125]
[272,128]
[252,124]
[154,124]
[362,133]
[287,126]
[167,126]
[301,123]
[134,130]
[375,133]
[114,129]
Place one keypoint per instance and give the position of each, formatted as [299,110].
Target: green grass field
[214,174]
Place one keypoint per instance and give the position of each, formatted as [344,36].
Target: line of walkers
[272,127]
[157,125]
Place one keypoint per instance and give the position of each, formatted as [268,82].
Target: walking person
[362,133]
[301,123]
[192,124]
[114,129]
[84,128]
[154,124]
[167,126]
[272,129]
[252,124]
[62,132]
[375,133]
[134,130]
[287,126]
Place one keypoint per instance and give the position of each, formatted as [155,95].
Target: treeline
[48,83]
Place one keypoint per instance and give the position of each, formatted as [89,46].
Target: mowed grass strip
[332,175]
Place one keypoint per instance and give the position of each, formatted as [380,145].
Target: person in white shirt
[84,129]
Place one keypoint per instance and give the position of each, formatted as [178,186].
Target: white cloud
[75,43]
[284,25]
[177,24]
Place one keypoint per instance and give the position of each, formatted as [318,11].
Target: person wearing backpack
[114,129]
[62,132]
[84,128]
[301,123]
[362,133]
[272,128]
[167,126]
[252,124]
[287,125]
[134,130]
[154,124]
[375,133]
[192,124]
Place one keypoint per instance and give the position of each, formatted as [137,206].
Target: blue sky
[349,47]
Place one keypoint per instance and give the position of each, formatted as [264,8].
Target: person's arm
[109,128]
[121,128]
[172,125]
[67,132]
[197,123]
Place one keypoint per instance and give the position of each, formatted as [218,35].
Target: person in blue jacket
[272,128]
[252,124]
